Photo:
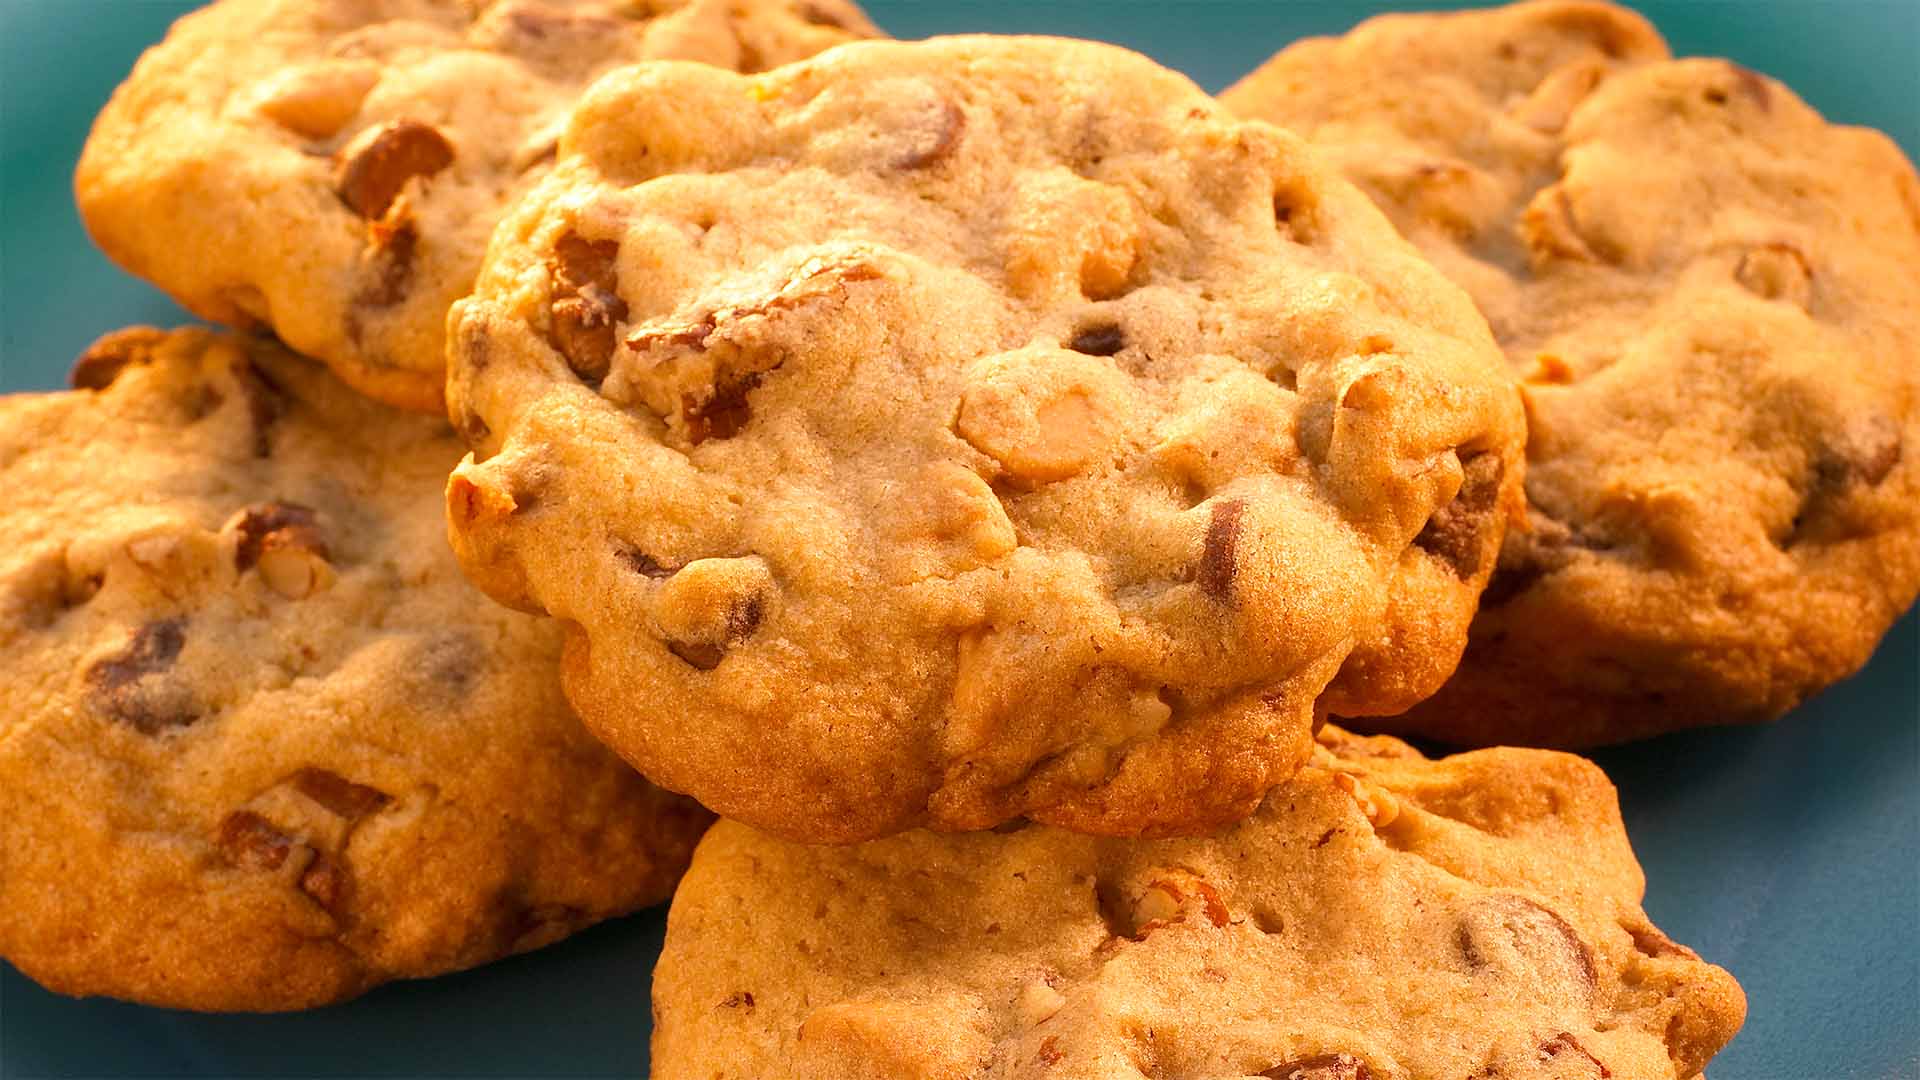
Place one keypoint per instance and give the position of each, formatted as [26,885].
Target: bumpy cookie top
[1382,917]
[938,433]
[261,747]
[332,168]
[1711,296]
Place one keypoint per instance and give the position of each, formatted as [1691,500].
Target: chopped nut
[1553,101]
[586,305]
[325,881]
[283,541]
[1565,1043]
[1039,1001]
[697,368]
[1377,803]
[1219,553]
[106,358]
[1550,230]
[250,841]
[1518,938]
[1457,533]
[291,568]
[1321,1067]
[938,141]
[1170,897]
[318,100]
[341,797]
[371,170]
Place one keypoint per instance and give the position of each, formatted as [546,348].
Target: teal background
[1788,853]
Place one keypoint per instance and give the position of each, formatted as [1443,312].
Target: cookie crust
[1709,295]
[261,747]
[940,433]
[331,169]
[1382,917]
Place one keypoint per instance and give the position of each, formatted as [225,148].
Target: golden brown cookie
[1710,295]
[935,434]
[331,169]
[261,747]
[1381,917]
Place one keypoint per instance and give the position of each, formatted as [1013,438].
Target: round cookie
[261,747]
[1710,297]
[1381,917]
[331,169]
[936,434]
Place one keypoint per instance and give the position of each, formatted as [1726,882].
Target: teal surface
[1789,853]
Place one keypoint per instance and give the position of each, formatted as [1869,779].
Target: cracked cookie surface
[1381,917]
[331,169]
[940,433]
[1709,294]
[261,746]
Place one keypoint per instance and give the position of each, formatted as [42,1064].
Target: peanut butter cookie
[1381,917]
[941,433]
[261,747]
[1710,295]
[331,169]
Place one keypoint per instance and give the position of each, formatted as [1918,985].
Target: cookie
[1382,917]
[331,169]
[1709,295]
[261,747]
[935,434]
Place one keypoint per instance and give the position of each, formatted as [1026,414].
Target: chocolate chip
[939,141]
[262,520]
[1219,554]
[1565,1043]
[702,655]
[129,686]
[449,662]
[1455,533]
[1099,339]
[106,358]
[1863,455]
[263,406]
[370,171]
[1321,1067]
[820,15]
[745,617]
[341,797]
[392,267]
[250,841]
[1753,85]
[538,927]
[586,303]
[1651,942]
[723,415]
[644,564]
[1501,928]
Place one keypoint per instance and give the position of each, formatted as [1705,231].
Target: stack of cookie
[976,469]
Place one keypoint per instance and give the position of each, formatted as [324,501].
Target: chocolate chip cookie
[1709,294]
[1381,917]
[261,747]
[331,169]
[942,433]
